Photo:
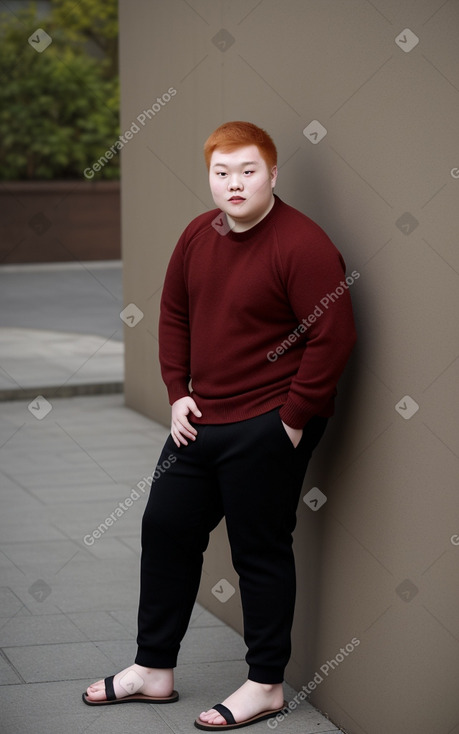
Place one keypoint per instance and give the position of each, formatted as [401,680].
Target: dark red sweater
[256,319]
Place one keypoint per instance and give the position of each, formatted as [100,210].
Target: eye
[221,174]
[249,172]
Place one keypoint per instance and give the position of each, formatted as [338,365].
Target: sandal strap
[109,688]
[225,712]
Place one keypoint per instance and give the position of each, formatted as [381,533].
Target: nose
[234,183]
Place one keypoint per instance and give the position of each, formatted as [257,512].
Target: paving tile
[82,594]
[59,358]
[8,675]
[200,617]
[118,654]
[77,520]
[99,626]
[50,555]
[36,594]
[40,630]
[211,644]
[29,528]
[63,661]
[116,548]
[100,491]
[10,605]
[74,479]
[27,523]
[127,618]
[10,488]
[131,541]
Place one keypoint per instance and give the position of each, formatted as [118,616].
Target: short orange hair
[233,135]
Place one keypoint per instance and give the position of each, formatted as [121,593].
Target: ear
[273,176]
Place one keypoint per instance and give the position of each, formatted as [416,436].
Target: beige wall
[391,483]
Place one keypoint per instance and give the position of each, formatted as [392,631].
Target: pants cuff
[261,674]
[152,660]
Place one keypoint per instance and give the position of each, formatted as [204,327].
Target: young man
[250,356]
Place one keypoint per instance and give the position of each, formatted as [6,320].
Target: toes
[212,717]
[96,691]
[95,686]
[96,695]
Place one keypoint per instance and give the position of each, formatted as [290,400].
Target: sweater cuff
[177,389]
[295,416]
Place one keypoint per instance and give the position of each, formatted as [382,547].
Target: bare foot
[249,700]
[136,679]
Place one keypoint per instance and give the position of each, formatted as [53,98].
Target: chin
[240,210]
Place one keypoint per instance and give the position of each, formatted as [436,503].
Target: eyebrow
[247,163]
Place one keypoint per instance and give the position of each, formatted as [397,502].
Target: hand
[181,428]
[295,434]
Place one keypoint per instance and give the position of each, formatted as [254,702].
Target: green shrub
[58,108]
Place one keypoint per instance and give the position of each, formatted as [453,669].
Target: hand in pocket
[295,434]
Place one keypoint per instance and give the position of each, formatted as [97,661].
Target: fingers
[295,434]
[298,439]
[179,433]
[181,428]
[177,437]
[194,408]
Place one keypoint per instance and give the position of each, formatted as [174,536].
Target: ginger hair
[233,135]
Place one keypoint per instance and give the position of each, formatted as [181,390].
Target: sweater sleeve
[319,296]
[174,328]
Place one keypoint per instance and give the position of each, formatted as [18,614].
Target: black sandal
[231,721]
[135,698]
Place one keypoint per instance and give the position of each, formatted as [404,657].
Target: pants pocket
[285,436]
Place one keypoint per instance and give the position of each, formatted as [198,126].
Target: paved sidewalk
[68,606]
[60,329]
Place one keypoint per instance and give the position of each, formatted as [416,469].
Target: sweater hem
[214,412]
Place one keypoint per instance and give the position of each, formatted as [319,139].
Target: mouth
[236,199]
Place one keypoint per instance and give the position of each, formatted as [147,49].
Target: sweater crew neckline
[257,228]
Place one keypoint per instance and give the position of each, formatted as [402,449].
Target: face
[242,185]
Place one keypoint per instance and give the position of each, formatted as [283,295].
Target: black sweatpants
[250,473]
